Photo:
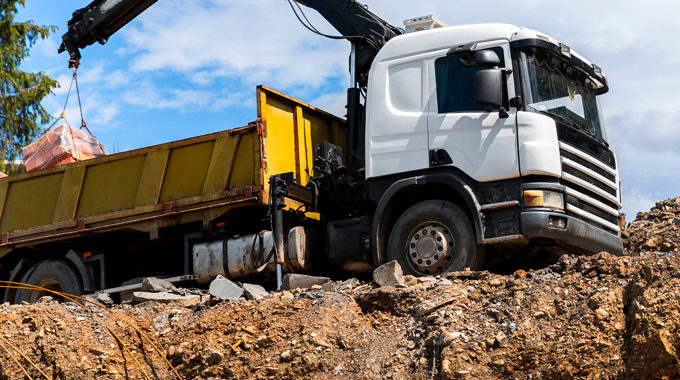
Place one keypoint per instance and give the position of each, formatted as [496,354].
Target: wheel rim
[430,248]
[48,283]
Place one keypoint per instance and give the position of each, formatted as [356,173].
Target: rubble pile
[657,230]
[583,317]
[597,317]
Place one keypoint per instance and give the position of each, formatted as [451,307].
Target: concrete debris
[348,285]
[294,280]
[153,284]
[225,289]
[389,274]
[166,298]
[103,298]
[254,292]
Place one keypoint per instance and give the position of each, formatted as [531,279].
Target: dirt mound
[657,230]
[598,317]
[583,317]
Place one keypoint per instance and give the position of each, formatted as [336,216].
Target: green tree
[21,93]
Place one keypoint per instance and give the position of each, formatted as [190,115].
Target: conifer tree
[21,93]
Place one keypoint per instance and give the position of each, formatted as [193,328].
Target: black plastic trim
[578,234]
[585,177]
[543,186]
[587,207]
[588,165]
[555,50]
[585,143]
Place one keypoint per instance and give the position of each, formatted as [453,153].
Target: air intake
[423,23]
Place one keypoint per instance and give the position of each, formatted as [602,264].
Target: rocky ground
[655,231]
[597,317]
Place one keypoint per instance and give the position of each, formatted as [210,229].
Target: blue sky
[186,68]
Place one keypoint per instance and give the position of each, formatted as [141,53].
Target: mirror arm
[503,113]
[515,102]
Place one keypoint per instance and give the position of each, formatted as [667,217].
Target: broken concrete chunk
[302,281]
[153,284]
[254,292]
[166,298]
[225,289]
[348,284]
[389,274]
[104,298]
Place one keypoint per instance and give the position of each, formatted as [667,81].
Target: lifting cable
[62,116]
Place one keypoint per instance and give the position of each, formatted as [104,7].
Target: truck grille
[591,187]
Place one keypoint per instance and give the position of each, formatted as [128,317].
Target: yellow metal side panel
[293,129]
[324,129]
[152,178]
[31,202]
[185,174]
[245,168]
[308,159]
[4,186]
[303,150]
[110,186]
[221,163]
[67,204]
[280,141]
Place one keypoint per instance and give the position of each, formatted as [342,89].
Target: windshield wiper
[573,124]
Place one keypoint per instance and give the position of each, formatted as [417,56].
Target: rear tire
[54,275]
[434,237]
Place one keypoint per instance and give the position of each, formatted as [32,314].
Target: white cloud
[334,103]
[257,41]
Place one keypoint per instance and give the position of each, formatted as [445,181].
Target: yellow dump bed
[197,179]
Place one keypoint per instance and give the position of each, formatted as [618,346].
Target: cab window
[455,81]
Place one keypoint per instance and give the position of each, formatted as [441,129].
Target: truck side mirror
[489,90]
[487,58]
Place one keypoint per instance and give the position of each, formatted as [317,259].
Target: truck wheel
[434,237]
[49,274]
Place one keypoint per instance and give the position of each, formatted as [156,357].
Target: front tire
[434,237]
[54,275]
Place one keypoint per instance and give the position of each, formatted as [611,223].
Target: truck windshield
[556,88]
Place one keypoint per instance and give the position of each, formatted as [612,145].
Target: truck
[461,145]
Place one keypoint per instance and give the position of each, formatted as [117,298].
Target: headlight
[543,198]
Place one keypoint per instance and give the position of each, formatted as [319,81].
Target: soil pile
[657,230]
[597,317]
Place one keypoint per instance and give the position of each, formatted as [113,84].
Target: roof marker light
[566,50]
[597,70]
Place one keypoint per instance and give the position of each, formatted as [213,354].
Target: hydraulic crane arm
[366,31]
[97,22]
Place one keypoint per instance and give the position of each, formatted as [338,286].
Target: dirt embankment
[582,317]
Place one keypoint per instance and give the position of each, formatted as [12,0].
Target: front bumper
[577,233]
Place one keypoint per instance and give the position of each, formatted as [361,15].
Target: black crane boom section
[97,22]
[367,33]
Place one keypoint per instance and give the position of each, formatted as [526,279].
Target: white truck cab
[534,166]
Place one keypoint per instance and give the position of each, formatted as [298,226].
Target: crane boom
[97,22]
[367,33]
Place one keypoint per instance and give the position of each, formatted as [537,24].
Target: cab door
[461,134]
